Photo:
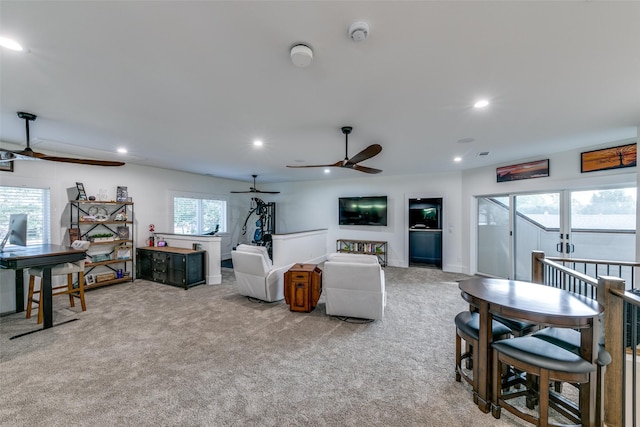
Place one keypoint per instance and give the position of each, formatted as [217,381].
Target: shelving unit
[107,256]
[368,247]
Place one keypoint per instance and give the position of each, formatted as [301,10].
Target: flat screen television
[370,210]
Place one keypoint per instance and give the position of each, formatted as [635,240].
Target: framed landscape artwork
[537,169]
[623,156]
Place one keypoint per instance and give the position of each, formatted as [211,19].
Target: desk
[532,303]
[44,256]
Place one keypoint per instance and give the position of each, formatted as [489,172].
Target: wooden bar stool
[546,361]
[67,269]
[467,329]
[569,339]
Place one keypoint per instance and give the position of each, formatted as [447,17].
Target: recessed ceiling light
[257,143]
[457,159]
[327,171]
[10,43]
[122,150]
[481,103]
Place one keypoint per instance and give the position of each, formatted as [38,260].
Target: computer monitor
[17,233]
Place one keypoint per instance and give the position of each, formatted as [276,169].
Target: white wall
[311,205]
[564,173]
[308,205]
[149,188]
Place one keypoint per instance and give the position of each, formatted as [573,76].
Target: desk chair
[67,269]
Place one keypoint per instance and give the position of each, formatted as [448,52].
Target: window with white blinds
[31,201]
[193,215]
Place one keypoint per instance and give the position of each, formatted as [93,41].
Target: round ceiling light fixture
[301,55]
[359,31]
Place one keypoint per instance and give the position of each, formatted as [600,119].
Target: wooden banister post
[613,329]
[537,268]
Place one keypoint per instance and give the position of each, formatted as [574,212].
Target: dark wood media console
[172,266]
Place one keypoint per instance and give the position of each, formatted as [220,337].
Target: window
[32,201]
[193,215]
[612,209]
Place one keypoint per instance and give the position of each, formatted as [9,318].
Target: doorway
[590,224]
[425,232]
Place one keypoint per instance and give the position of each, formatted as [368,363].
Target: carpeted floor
[148,354]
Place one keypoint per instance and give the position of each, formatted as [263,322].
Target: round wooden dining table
[533,303]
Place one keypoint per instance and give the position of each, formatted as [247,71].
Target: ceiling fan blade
[267,192]
[364,169]
[241,191]
[365,154]
[333,165]
[29,154]
[90,162]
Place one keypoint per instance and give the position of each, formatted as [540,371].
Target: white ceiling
[189,85]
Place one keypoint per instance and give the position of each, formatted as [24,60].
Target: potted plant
[101,237]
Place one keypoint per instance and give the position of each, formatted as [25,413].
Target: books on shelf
[365,247]
[369,247]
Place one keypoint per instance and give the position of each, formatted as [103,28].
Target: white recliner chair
[255,275]
[353,286]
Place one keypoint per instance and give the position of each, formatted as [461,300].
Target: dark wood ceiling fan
[351,163]
[29,154]
[254,189]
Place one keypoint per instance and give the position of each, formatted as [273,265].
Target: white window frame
[10,204]
[200,197]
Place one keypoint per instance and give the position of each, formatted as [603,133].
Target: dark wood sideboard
[172,266]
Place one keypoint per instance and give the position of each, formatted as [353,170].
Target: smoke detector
[301,55]
[359,31]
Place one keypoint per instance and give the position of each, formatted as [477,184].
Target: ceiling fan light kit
[301,55]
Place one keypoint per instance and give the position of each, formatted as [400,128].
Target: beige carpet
[148,354]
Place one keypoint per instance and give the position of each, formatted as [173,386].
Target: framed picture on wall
[6,166]
[623,156]
[537,169]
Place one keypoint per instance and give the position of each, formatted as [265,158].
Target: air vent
[483,154]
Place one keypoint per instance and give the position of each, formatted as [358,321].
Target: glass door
[585,224]
[536,226]
[493,236]
[603,227]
